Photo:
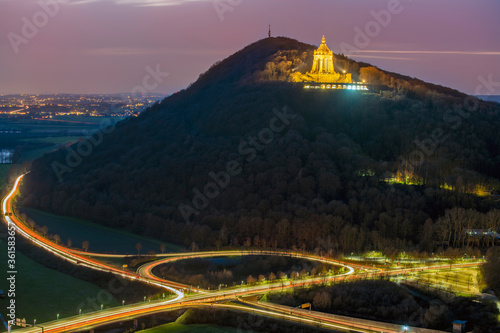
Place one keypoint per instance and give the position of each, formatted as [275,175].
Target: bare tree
[322,300]
[85,245]
[138,247]
[31,223]
[57,239]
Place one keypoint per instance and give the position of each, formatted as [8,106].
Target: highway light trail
[62,252]
[145,275]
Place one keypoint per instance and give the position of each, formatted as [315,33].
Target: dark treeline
[243,322]
[210,273]
[315,185]
[386,301]
[491,269]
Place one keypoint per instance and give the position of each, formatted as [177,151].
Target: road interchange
[181,300]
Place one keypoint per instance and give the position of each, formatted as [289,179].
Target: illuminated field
[458,281]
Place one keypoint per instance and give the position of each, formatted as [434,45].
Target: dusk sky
[104,46]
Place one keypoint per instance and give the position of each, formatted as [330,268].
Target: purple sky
[104,46]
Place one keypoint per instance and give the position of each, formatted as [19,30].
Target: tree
[322,300]
[85,245]
[31,223]
[57,238]
[261,277]
[250,279]
[491,269]
[426,235]
[138,247]
[272,277]
[163,247]
[69,242]
[45,230]
[218,243]
[372,75]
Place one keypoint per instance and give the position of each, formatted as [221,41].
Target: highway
[144,274]
[66,253]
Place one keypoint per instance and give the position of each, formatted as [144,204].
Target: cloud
[486,53]
[381,57]
[129,51]
[135,2]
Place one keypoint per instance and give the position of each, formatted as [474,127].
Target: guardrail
[354,323]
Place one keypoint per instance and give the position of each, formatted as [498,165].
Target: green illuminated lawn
[101,239]
[42,293]
[179,328]
[55,139]
[4,170]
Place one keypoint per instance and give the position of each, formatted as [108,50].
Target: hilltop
[243,157]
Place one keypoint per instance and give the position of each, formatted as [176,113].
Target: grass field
[37,126]
[41,292]
[179,328]
[4,169]
[33,154]
[463,281]
[101,239]
[55,139]
[30,155]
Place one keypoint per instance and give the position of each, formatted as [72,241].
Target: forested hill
[244,157]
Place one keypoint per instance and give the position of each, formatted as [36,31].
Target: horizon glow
[104,46]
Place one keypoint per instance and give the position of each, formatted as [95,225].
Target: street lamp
[144,298]
[80,311]
[58,316]
[102,306]
[34,322]
[123,303]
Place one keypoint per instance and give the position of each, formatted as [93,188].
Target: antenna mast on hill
[269,33]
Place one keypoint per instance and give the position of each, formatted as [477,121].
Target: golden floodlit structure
[322,69]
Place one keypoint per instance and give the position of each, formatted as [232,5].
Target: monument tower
[323,59]
[322,68]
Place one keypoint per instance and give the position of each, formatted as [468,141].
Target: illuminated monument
[323,59]
[322,69]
